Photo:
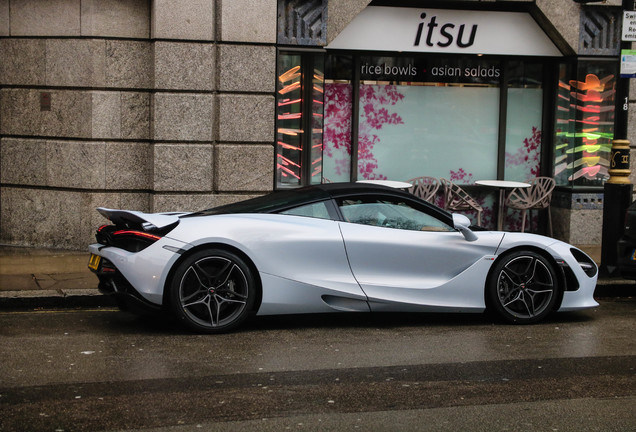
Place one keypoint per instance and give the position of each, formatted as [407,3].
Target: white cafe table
[502,185]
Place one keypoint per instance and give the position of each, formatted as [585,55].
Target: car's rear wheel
[212,291]
[523,287]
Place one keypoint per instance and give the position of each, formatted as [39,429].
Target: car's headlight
[587,264]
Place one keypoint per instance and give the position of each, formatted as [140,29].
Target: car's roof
[283,199]
[338,189]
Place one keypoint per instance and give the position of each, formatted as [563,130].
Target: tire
[523,287]
[212,291]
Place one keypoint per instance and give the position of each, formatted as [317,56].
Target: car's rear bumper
[113,283]
[145,271]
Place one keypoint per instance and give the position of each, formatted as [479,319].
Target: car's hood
[127,217]
[512,239]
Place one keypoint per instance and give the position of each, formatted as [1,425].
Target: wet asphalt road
[94,370]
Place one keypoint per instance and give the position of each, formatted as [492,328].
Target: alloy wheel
[213,292]
[526,288]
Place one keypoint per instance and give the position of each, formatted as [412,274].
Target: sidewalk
[41,278]
[45,278]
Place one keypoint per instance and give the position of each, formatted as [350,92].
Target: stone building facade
[162,105]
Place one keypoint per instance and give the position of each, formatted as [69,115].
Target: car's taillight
[127,239]
[141,234]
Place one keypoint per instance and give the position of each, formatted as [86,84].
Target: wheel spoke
[521,298]
[512,276]
[516,299]
[214,322]
[200,292]
[548,285]
[203,300]
[526,271]
[196,268]
[222,277]
[220,300]
[535,292]
[528,306]
[533,263]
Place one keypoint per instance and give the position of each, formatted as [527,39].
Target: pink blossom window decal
[337,132]
[375,101]
[527,156]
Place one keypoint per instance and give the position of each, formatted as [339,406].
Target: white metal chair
[424,187]
[457,199]
[536,197]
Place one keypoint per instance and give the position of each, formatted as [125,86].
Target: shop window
[299,119]
[289,114]
[317,120]
[524,115]
[440,131]
[584,124]
[400,117]
[432,116]
[338,119]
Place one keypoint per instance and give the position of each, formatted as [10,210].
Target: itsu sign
[445,36]
[449,31]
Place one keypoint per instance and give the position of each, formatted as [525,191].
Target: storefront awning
[396,29]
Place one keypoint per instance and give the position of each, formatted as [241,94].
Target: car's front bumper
[581,297]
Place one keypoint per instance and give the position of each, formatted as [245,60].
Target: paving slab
[18,282]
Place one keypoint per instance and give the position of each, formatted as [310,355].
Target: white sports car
[332,247]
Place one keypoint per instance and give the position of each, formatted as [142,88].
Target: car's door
[406,258]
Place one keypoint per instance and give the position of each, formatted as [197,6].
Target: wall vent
[600,31]
[302,22]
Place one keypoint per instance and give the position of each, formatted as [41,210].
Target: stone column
[246,112]
[183,34]
[74,117]
[213,104]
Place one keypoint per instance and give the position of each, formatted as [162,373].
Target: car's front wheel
[523,287]
[212,291]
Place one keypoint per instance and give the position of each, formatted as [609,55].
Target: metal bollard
[619,162]
[618,196]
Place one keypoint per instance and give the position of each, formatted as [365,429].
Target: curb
[615,288]
[54,299]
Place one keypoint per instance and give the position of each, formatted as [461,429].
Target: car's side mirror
[462,223]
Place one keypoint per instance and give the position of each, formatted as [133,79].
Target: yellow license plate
[93,262]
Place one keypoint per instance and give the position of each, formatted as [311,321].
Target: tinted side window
[315,210]
[389,213]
